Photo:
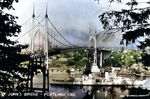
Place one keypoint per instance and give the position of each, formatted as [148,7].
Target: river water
[94,92]
[91,92]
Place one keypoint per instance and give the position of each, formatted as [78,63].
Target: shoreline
[142,75]
[71,84]
[38,79]
[93,84]
[135,75]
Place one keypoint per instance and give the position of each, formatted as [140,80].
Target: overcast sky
[72,18]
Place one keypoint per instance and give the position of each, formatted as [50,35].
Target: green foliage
[76,54]
[77,59]
[11,72]
[119,59]
[70,62]
[79,64]
[63,62]
[66,55]
[55,64]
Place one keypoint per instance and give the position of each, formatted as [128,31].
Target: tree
[11,72]
[134,22]
[119,59]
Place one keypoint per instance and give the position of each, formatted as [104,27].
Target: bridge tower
[31,33]
[92,39]
[42,59]
[93,43]
[46,71]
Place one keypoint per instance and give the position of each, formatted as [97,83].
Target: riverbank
[142,75]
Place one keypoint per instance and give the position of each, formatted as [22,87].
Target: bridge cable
[60,33]
[82,41]
[98,43]
[29,20]
[28,31]
[56,39]
[86,44]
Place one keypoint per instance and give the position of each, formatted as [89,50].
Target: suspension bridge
[45,40]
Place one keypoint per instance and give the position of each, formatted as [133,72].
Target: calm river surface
[90,92]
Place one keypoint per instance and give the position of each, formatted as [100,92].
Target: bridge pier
[34,64]
[103,54]
[101,59]
[95,68]
[45,80]
[96,60]
[30,76]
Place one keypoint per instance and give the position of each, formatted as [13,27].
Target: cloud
[72,18]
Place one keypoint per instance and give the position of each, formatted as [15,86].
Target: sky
[72,18]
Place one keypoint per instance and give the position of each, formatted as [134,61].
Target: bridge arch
[92,40]
[92,43]
[37,40]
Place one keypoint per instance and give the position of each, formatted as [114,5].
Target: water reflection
[92,92]
[107,92]
[138,93]
[101,92]
[98,92]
